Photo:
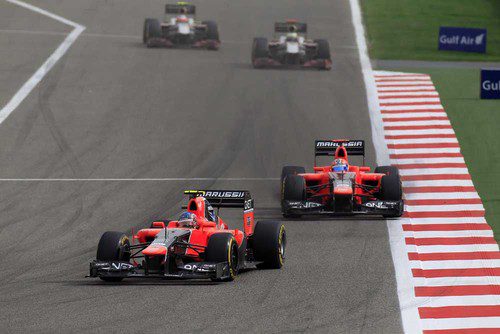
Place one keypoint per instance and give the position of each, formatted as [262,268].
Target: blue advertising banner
[490,84]
[462,39]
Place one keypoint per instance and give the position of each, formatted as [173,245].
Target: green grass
[477,126]
[408,29]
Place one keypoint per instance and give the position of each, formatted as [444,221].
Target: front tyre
[113,246]
[294,170]
[152,29]
[212,33]
[391,188]
[260,49]
[293,189]
[222,247]
[324,52]
[269,244]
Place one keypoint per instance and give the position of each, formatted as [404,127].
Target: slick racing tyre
[269,244]
[222,247]
[260,49]
[287,170]
[212,30]
[113,246]
[152,29]
[390,188]
[293,189]
[323,49]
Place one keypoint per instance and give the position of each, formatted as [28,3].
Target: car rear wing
[229,199]
[290,26]
[328,147]
[180,8]
[224,198]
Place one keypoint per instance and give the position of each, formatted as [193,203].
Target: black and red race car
[180,29]
[341,188]
[198,245]
[290,47]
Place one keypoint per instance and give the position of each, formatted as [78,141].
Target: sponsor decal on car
[225,194]
[354,143]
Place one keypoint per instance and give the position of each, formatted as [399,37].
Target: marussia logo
[358,143]
[225,194]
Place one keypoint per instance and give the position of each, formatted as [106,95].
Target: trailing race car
[197,245]
[181,29]
[341,188]
[291,47]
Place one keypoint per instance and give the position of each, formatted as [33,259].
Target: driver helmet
[187,219]
[292,36]
[182,18]
[340,165]
[211,212]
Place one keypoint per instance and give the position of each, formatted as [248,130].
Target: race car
[341,188]
[197,245]
[291,47]
[180,29]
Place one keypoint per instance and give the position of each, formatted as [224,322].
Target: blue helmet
[340,165]
[187,219]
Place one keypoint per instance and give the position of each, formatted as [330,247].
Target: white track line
[458,264]
[168,179]
[443,208]
[407,302]
[438,183]
[450,195]
[417,114]
[423,141]
[461,323]
[29,85]
[450,234]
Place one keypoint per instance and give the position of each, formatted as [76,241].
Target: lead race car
[341,188]
[291,47]
[198,245]
[180,29]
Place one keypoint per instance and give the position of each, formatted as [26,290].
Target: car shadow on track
[249,66]
[135,282]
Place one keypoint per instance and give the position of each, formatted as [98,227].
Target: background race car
[290,46]
[341,188]
[198,245]
[180,28]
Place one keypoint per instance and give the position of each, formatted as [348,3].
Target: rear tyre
[212,32]
[293,189]
[260,49]
[113,246]
[152,29]
[287,170]
[222,247]
[269,244]
[390,187]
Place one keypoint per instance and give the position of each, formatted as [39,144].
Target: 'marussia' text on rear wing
[224,198]
[229,199]
[290,26]
[328,147]
[180,8]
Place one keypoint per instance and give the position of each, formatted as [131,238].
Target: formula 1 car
[291,48]
[181,29]
[341,188]
[198,245]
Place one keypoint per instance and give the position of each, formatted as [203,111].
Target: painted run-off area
[476,125]
[447,261]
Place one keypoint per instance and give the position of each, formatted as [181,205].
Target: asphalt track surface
[111,108]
